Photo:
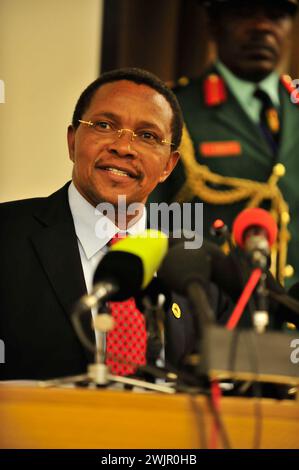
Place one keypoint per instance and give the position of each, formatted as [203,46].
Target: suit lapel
[57,249]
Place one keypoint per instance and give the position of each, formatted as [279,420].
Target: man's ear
[71,142]
[170,165]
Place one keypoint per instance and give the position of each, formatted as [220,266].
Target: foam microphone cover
[254,217]
[132,262]
[150,247]
[181,267]
[223,270]
[123,269]
[229,272]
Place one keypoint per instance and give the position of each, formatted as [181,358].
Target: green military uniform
[228,142]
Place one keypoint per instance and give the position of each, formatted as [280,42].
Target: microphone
[128,267]
[187,272]
[255,231]
[228,272]
[182,267]
[223,269]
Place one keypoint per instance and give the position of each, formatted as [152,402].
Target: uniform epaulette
[214,90]
[291,88]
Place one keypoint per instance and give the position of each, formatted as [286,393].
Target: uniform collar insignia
[215,92]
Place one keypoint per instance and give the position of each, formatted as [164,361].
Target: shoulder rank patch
[176,310]
[214,90]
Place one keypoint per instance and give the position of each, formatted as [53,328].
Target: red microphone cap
[254,217]
[218,224]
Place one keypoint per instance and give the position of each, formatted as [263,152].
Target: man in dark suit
[123,140]
[241,144]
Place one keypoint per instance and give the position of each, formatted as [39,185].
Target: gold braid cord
[199,176]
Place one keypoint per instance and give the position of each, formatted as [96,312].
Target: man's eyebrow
[148,124]
[117,118]
[107,115]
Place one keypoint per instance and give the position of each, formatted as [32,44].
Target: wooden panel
[64,418]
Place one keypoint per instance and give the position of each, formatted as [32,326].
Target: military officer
[241,141]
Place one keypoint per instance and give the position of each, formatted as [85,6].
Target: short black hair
[139,76]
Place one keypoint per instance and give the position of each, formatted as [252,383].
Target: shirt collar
[244,89]
[93,229]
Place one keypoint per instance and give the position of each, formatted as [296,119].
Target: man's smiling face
[106,166]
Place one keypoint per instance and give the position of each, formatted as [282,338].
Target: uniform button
[279,170]
[290,326]
[289,271]
[183,81]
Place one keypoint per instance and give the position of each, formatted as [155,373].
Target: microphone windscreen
[132,262]
[150,247]
[254,217]
[123,269]
[223,269]
[181,267]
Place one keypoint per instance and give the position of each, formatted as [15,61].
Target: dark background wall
[167,37]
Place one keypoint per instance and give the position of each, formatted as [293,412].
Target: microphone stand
[204,319]
[261,314]
[259,259]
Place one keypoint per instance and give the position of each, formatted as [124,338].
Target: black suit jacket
[41,278]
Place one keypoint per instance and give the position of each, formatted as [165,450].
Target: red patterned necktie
[126,343]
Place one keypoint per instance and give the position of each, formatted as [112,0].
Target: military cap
[290,5]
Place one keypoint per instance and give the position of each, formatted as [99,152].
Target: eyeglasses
[142,138]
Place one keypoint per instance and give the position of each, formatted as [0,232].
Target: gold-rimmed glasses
[143,138]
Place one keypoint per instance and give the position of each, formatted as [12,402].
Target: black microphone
[222,271]
[187,272]
[128,267]
[227,271]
